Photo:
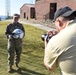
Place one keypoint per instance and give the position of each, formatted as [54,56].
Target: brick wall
[42,7]
[25,11]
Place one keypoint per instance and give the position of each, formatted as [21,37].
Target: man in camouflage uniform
[14,45]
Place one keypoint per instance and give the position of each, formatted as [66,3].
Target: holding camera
[48,36]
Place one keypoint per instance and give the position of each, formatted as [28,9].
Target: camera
[46,36]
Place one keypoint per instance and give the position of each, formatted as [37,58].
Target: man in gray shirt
[61,48]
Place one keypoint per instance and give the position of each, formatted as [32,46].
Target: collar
[72,22]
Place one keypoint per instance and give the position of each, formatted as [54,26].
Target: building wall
[42,7]
[25,11]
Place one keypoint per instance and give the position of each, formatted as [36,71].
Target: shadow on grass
[27,72]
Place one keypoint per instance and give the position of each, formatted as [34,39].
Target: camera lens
[43,36]
[48,37]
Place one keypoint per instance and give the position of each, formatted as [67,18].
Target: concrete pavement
[39,26]
[35,25]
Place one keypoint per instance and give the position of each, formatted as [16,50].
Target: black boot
[18,68]
[10,69]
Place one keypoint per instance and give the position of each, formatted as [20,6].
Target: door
[24,15]
[53,7]
[32,13]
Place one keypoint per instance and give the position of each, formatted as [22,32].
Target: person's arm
[23,30]
[45,42]
[50,55]
[7,32]
[47,66]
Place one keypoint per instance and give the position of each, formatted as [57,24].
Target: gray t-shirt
[61,50]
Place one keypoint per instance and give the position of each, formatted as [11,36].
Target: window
[38,0]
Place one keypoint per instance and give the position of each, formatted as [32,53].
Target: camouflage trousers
[14,51]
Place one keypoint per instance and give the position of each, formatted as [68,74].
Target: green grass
[32,53]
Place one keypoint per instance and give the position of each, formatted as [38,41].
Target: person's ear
[60,23]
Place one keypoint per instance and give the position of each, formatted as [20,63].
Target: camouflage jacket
[11,27]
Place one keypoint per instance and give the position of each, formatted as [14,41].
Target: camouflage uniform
[14,45]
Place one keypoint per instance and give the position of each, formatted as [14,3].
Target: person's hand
[10,36]
[52,33]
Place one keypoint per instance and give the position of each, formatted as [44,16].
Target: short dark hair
[16,15]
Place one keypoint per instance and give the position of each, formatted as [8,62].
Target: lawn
[32,53]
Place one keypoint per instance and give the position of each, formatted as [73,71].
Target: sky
[15,6]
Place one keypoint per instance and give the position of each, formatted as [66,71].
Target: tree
[0,18]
